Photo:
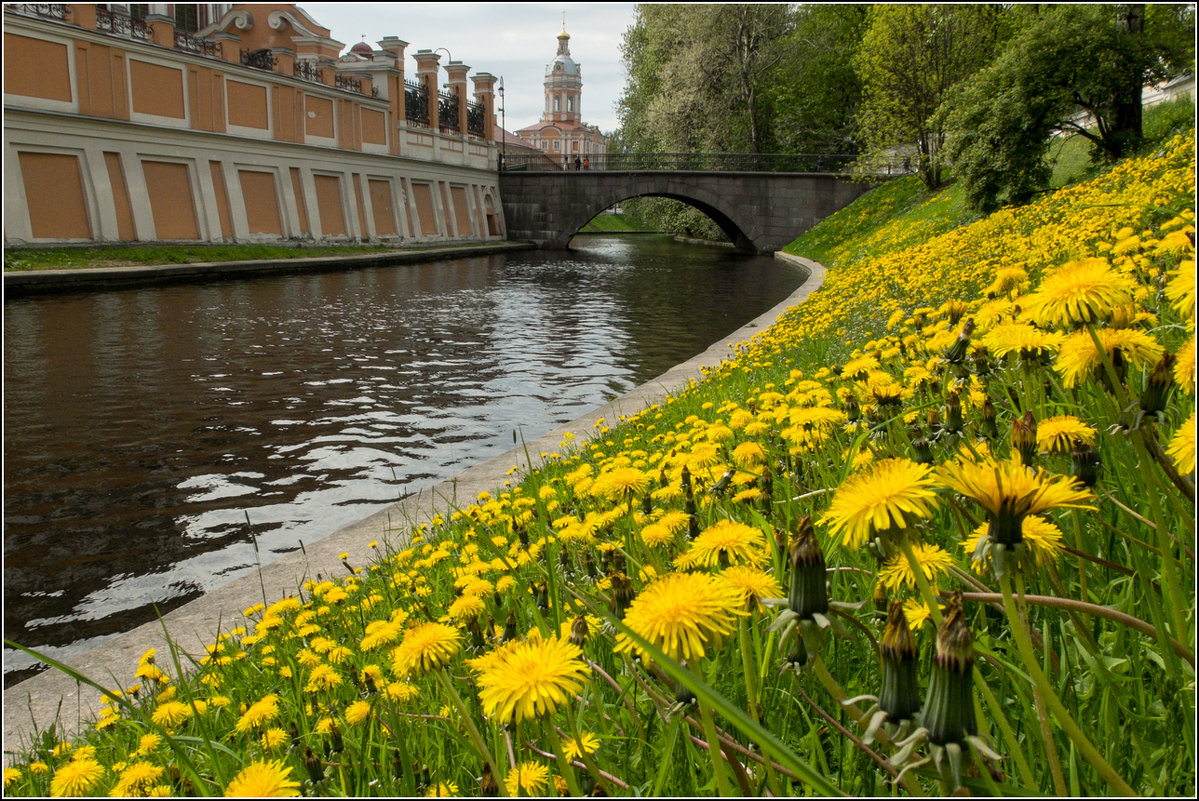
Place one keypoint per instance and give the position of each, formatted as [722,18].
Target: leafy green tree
[909,59]
[1072,69]
[815,97]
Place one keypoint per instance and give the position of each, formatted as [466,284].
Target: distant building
[561,134]
[235,122]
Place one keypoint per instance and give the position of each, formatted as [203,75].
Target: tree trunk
[1125,134]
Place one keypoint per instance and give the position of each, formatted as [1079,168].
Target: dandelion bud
[955,310]
[922,452]
[990,430]
[980,361]
[542,591]
[852,411]
[1158,388]
[957,351]
[589,565]
[721,486]
[900,694]
[476,632]
[488,786]
[683,696]
[578,631]
[312,763]
[1084,463]
[949,708]
[510,627]
[807,595]
[1024,437]
[622,594]
[953,413]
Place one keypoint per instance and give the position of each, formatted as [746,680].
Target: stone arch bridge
[759,211]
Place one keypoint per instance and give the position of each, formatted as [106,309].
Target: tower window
[557,101]
[570,104]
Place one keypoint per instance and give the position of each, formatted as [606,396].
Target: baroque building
[561,134]
[235,123]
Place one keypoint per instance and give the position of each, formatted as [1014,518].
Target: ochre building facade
[123,127]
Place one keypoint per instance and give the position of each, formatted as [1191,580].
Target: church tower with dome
[561,134]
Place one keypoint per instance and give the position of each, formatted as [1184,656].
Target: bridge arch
[760,212]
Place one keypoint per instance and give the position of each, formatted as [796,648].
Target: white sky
[513,40]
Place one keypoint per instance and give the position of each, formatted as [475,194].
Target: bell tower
[563,85]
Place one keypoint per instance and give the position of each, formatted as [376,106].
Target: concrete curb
[38,282]
[35,703]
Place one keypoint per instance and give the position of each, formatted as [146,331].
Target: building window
[187,17]
[557,145]
[545,145]
[570,104]
[557,100]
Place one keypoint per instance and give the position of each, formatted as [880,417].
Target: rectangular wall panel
[54,192]
[168,185]
[262,202]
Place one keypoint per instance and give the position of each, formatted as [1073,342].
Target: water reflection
[143,427]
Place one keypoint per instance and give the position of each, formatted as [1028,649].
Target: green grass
[72,258]
[610,223]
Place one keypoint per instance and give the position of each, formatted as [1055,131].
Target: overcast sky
[513,40]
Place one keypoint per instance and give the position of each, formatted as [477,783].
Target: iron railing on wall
[476,118]
[416,103]
[262,59]
[308,71]
[121,25]
[447,111]
[48,10]
[194,44]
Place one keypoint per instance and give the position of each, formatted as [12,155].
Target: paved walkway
[29,282]
[35,702]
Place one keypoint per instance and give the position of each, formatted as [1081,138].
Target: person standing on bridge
[578,164]
[586,163]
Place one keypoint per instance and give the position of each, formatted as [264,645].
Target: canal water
[143,428]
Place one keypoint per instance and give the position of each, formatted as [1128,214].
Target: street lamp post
[503,127]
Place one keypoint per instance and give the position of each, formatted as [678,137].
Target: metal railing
[56,11]
[121,25]
[447,111]
[262,59]
[308,71]
[416,103]
[194,44]
[476,118]
[705,162]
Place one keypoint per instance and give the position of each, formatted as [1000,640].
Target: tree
[910,58]
[1072,69]
[815,97]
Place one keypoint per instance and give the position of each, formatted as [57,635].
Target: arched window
[557,101]
[570,104]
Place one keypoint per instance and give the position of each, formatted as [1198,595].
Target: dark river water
[143,426]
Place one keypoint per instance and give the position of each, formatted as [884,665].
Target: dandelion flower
[1181,289]
[357,712]
[260,713]
[528,679]
[442,790]
[656,534]
[727,542]
[885,495]
[1182,446]
[1021,338]
[934,561]
[1079,292]
[76,778]
[587,743]
[754,584]
[426,647]
[1056,434]
[527,778]
[468,607]
[170,714]
[10,776]
[1078,357]
[749,454]
[1010,491]
[1042,538]
[263,780]
[680,613]
[621,484]
[1184,366]
[322,677]
[136,779]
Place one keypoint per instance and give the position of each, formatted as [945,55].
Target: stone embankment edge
[36,701]
[37,282]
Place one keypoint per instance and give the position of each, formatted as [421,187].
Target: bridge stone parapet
[759,211]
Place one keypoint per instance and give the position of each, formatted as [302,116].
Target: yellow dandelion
[322,677]
[656,534]
[680,613]
[1056,434]
[380,633]
[426,647]
[260,713]
[1181,289]
[727,542]
[273,738]
[524,680]
[76,778]
[753,583]
[749,454]
[1042,538]
[897,573]
[171,713]
[587,743]
[885,495]
[1010,491]
[1021,338]
[527,778]
[468,607]
[137,779]
[10,776]
[443,790]
[357,712]
[1079,358]
[1084,291]
[263,780]
[1182,446]
[621,484]
[1184,366]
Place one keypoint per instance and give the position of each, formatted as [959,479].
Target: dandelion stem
[714,753]
[471,729]
[1072,729]
[564,767]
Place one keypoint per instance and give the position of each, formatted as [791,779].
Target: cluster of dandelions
[898,495]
